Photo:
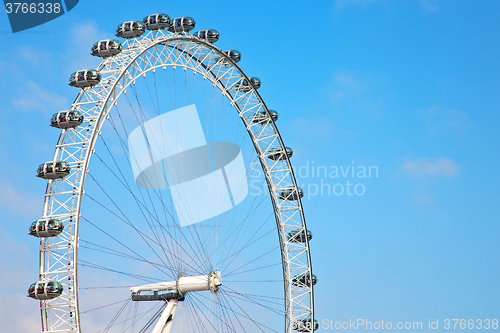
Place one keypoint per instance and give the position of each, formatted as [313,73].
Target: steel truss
[157,50]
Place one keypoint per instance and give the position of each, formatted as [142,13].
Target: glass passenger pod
[130,29]
[85,78]
[262,118]
[303,280]
[67,119]
[305,325]
[46,228]
[182,24]
[243,84]
[157,21]
[53,170]
[44,290]
[290,194]
[106,48]
[208,35]
[234,55]
[299,236]
[278,154]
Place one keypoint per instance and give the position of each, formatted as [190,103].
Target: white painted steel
[59,255]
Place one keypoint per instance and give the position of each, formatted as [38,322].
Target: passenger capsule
[304,325]
[53,170]
[157,21]
[244,85]
[67,119]
[290,194]
[208,35]
[262,118]
[278,154]
[234,55]
[303,280]
[181,24]
[46,228]
[106,48]
[130,29]
[299,236]
[85,78]
[44,290]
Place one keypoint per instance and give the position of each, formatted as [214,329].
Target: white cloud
[18,313]
[429,5]
[33,97]
[441,167]
[322,127]
[438,120]
[82,37]
[344,85]
[423,199]
[14,200]
[340,4]
[30,55]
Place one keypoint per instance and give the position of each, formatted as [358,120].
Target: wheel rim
[160,50]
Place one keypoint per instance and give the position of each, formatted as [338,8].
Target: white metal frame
[59,255]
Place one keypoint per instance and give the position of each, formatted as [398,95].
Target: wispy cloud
[426,5]
[429,5]
[18,313]
[438,120]
[423,198]
[14,199]
[322,127]
[30,55]
[82,37]
[33,97]
[340,4]
[441,167]
[344,85]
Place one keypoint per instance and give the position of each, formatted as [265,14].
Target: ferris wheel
[171,203]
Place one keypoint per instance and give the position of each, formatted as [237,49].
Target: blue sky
[409,87]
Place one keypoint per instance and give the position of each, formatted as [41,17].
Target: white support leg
[163,324]
[168,325]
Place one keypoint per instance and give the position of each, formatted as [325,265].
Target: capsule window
[62,116]
[61,166]
[40,288]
